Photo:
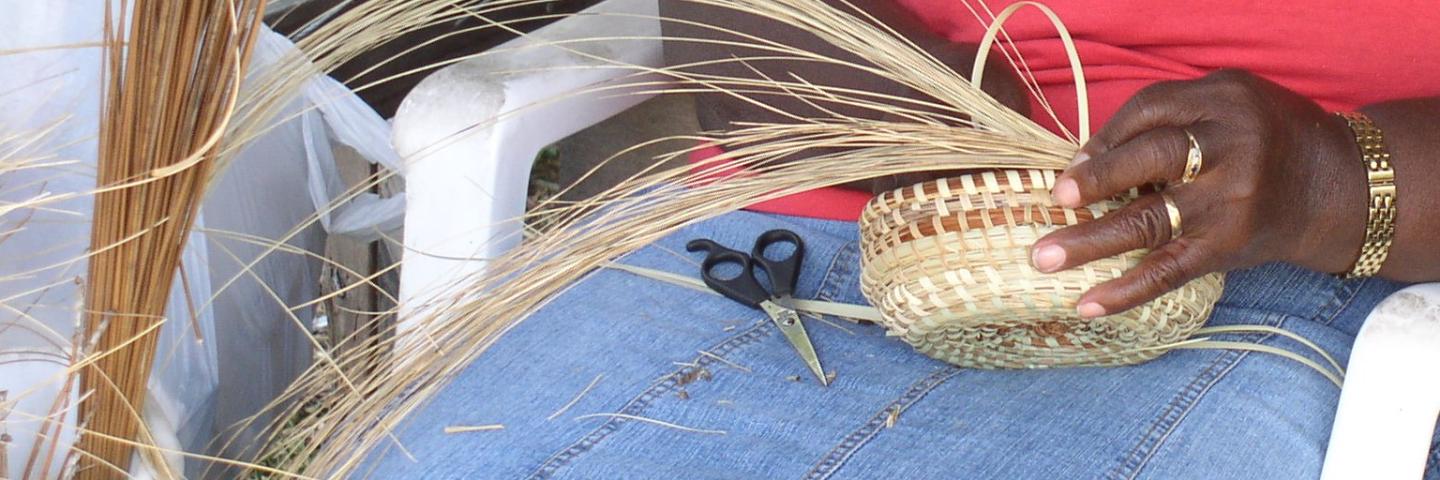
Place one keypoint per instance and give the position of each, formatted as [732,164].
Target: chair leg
[1388,408]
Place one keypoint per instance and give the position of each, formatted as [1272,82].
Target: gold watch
[1380,228]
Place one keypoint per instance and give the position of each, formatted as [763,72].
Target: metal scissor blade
[789,323]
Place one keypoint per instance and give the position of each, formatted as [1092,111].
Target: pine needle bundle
[173,76]
[955,125]
[158,154]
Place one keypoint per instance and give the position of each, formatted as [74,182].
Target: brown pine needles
[960,127]
[175,111]
[173,74]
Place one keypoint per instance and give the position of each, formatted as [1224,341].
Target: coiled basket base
[947,263]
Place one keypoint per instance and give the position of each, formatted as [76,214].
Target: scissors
[747,290]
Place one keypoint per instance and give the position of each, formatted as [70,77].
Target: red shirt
[1342,53]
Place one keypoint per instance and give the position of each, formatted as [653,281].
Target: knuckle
[1245,193]
[1150,226]
[1149,106]
[1148,100]
[1235,88]
[1163,149]
[1090,180]
[1236,221]
[1167,272]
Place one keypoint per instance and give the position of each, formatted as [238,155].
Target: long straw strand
[170,89]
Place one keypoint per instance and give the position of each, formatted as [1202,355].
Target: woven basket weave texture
[947,262]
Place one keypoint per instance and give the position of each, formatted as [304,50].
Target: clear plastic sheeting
[331,110]
[48,111]
[231,342]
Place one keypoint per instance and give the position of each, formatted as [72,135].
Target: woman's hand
[1281,180]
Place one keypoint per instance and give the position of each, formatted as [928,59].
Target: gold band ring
[1194,160]
[1173,213]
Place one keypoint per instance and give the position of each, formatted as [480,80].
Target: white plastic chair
[464,193]
[469,191]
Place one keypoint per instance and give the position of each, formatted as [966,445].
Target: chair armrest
[1386,418]
[466,173]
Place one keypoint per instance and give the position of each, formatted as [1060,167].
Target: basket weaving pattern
[947,264]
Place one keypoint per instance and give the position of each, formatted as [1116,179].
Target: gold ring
[1173,212]
[1194,160]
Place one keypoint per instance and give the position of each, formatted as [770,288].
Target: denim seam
[835,263]
[831,462]
[641,402]
[841,270]
[1344,296]
[1180,406]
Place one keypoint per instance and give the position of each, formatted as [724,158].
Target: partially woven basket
[947,263]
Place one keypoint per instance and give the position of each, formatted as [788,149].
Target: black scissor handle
[785,272]
[743,288]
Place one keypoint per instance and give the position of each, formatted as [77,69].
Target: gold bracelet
[1380,229]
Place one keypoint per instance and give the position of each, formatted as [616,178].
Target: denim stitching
[640,403]
[842,452]
[842,268]
[1339,293]
[835,278]
[830,270]
[1180,406]
[1141,452]
[1343,296]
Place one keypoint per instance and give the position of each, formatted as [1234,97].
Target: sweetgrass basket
[947,264]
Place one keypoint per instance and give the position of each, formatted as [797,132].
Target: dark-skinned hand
[1281,181]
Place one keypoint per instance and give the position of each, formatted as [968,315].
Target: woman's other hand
[1281,180]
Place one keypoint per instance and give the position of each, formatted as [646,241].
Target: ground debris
[682,394]
[652,421]
[793,378]
[691,375]
[724,361]
[453,429]
[576,399]
[893,417]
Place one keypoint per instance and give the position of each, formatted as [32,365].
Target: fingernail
[1079,158]
[1091,310]
[1066,193]
[1048,258]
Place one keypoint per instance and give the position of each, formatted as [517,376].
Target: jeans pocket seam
[831,462]
[839,272]
[1180,406]
[1342,298]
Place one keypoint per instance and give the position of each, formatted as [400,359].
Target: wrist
[1411,139]
[1381,205]
[1342,199]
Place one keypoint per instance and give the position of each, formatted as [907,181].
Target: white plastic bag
[219,360]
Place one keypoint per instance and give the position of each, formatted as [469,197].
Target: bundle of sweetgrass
[334,416]
[174,71]
[956,126]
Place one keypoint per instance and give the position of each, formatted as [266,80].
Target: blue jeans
[891,412]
